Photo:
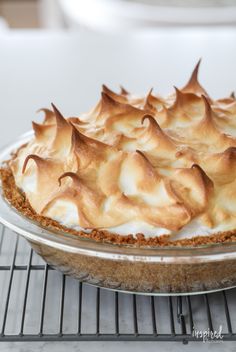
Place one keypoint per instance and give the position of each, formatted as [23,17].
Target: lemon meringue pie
[143,166]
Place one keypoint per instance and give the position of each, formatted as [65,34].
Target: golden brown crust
[19,202]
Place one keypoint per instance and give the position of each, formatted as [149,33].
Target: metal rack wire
[40,304]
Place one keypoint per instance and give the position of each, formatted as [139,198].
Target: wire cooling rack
[41,304]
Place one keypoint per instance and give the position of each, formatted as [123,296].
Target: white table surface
[69,68]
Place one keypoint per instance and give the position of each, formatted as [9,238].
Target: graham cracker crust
[18,200]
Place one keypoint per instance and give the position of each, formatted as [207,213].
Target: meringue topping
[148,164]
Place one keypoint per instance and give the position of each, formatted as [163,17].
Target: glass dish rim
[32,231]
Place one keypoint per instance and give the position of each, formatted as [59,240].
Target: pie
[146,170]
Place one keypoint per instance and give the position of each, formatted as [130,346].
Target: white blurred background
[116,15]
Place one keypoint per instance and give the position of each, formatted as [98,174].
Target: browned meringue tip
[37,129]
[232,95]
[48,114]
[77,138]
[40,129]
[204,176]
[150,92]
[208,109]
[230,153]
[44,110]
[60,120]
[112,106]
[148,105]
[108,103]
[72,175]
[144,157]
[146,117]
[56,111]
[182,104]
[179,98]
[107,100]
[151,120]
[34,157]
[193,85]
[116,96]
[122,96]
[107,90]
[73,127]
[123,91]
[194,75]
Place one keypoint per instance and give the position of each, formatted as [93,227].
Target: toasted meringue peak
[109,100]
[157,138]
[42,132]
[123,91]
[206,180]
[114,105]
[230,153]
[75,178]
[61,123]
[121,98]
[154,103]
[163,163]
[62,134]
[207,123]
[36,158]
[60,119]
[148,103]
[193,85]
[49,116]
[184,100]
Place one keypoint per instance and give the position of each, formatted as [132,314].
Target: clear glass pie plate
[144,270]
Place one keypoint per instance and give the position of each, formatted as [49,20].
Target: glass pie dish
[144,270]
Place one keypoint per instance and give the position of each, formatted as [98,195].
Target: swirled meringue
[148,165]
